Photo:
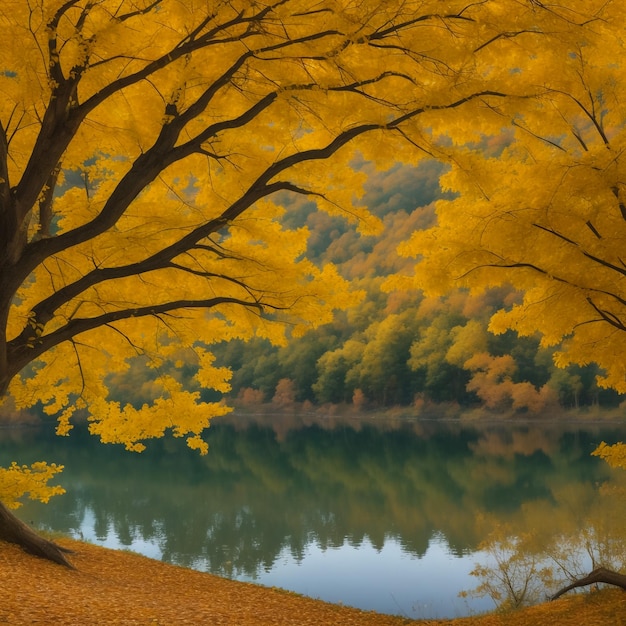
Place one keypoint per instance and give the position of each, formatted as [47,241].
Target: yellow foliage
[148,151]
[17,481]
[614,455]
[537,182]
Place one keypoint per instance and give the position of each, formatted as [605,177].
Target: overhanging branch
[605,315]
[260,188]
[21,354]
[591,257]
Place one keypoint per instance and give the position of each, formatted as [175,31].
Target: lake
[385,516]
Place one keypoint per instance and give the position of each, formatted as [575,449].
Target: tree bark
[16,531]
[599,575]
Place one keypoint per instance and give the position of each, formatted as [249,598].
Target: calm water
[385,517]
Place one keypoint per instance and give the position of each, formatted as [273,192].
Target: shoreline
[424,413]
[119,587]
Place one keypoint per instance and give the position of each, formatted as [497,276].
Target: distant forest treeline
[397,348]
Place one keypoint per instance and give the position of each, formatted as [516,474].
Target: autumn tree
[382,372]
[142,145]
[336,378]
[539,194]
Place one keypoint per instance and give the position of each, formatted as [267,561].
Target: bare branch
[588,112]
[607,316]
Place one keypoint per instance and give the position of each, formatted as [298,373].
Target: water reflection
[361,514]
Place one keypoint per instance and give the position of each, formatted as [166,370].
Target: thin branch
[592,257]
[394,28]
[79,365]
[556,234]
[550,142]
[507,35]
[144,11]
[209,275]
[593,229]
[20,353]
[607,316]
[589,113]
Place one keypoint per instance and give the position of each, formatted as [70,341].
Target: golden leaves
[123,588]
[614,455]
[17,481]
[181,123]
[536,178]
[178,411]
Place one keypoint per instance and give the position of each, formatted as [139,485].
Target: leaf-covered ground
[110,587]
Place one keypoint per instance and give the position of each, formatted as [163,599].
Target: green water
[377,515]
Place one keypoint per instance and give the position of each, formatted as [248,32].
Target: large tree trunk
[16,531]
[599,575]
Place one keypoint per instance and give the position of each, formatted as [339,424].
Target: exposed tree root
[599,575]
[14,530]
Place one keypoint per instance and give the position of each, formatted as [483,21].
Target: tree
[382,370]
[493,384]
[141,145]
[435,356]
[285,395]
[539,193]
[336,378]
[546,210]
[547,549]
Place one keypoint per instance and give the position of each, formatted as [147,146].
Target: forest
[396,347]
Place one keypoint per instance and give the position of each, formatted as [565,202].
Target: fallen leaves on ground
[111,587]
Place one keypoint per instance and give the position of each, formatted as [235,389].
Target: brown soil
[111,587]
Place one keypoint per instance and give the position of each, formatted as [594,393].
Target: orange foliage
[492,383]
[358,399]
[514,443]
[250,397]
[285,394]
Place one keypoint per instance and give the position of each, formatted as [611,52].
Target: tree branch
[20,354]
[599,575]
[507,35]
[591,257]
[148,166]
[9,224]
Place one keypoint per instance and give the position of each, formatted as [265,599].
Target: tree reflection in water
[268,490]
[551,544]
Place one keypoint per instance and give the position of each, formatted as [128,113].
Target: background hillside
[399,348]
[395,348]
